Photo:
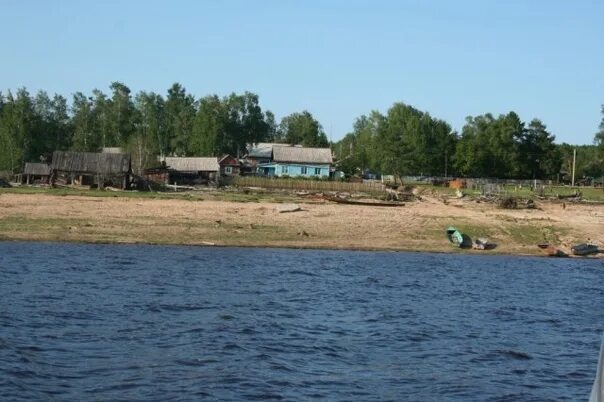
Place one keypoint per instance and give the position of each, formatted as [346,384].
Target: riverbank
[416,226]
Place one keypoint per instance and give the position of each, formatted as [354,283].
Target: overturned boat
[584,249]
[551,250]
[482,244]
[457,238]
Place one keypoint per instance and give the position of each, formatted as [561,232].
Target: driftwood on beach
[348,201]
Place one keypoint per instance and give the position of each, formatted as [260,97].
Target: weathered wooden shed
[91,168]
[194,170]
[36,172]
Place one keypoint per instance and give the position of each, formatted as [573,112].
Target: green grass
[527,234]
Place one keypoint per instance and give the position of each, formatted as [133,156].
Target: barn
[89,168]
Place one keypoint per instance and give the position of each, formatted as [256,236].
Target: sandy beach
[416,226]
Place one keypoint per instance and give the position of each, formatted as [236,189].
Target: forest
[403,141]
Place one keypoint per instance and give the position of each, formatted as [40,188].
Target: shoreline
[418,226]
[453,251]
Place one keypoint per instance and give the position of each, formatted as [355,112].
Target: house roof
[112,150]
[302,155]
[263,149]
[90,162]
[36,169]
[205,164]
[228,160]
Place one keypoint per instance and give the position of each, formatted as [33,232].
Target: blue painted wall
[291,170]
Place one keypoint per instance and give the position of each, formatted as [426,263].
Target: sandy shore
[416,226]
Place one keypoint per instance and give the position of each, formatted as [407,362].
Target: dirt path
[415,226]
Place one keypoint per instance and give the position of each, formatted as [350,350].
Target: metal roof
[209,164]
[263,149]
[302,155]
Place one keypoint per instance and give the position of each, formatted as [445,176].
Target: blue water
[101,322]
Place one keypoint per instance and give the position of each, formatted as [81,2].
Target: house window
[318,171]
[228,170]
[304,170]
[284,169]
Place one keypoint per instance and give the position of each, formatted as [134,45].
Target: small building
[296,161]
[36,173]
[159,174]
[229,166]
[192,170]
[89,168]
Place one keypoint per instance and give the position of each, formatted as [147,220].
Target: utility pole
[446,164]
[574,161]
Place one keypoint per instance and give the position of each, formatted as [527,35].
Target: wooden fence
[307,185]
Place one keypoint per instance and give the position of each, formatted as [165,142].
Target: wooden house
[192,170]
[259,154]
[89,168]
[229,166]
[36,173]
[296,161]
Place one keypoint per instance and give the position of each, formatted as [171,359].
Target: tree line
[146,124]
[406,141]
[403,141]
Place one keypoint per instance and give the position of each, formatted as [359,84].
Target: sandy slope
[416,226]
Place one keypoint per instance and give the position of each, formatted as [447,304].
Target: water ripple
[84,322]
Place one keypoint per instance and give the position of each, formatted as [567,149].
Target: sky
[338,59]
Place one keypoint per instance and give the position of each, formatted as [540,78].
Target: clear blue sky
[338,59]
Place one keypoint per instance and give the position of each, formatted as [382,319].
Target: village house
[89,168]
[192,170]
[296,161]
[229,166]
[200,170]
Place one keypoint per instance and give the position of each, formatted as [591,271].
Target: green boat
[456,238]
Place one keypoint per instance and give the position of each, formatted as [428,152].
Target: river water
[115,322]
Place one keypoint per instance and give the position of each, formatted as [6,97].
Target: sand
[417,226]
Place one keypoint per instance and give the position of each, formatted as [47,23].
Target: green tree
[17,126]
[209,128]
[541,158]
[357,151]
[245,123]
[82,121]
[491,147]
[411,142]
[303,129]
[599,137]
[101,118]
[272,133]
[122,115]
[146,142]
[180,109]
[227,125]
